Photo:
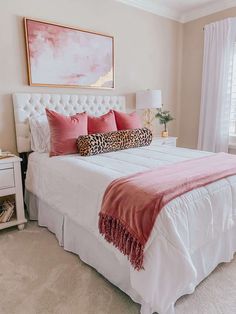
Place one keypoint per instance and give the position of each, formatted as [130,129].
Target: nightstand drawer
[7,165]
[169,142]
[7,178]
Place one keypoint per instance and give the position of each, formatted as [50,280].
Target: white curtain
[219,39]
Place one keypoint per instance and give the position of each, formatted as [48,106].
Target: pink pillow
[103,124]
[64,131]
[126,121]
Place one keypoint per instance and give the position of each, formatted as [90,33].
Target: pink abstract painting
[64,56]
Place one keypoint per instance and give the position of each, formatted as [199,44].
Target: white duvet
[192,234]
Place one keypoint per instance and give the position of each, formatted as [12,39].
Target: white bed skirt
[76,239]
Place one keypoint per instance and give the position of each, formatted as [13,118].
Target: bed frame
[220,249]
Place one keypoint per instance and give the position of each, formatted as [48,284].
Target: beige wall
[193,38]
[147,51]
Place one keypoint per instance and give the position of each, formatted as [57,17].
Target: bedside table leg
[21,227]
[20,213]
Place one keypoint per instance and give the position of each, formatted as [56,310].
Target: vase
[165,133]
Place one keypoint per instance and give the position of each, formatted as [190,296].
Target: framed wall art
[62,56]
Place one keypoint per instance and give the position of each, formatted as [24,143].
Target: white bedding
[192,234]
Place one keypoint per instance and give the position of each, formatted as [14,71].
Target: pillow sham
[40,134]
[103,124]
[94,144]
[64,130]
[126,121]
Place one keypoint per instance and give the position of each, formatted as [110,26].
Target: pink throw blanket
[131,204]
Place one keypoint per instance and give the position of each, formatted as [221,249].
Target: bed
[192,235]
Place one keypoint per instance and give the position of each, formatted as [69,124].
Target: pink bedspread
[131,204]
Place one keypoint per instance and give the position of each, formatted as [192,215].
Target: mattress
[73,186]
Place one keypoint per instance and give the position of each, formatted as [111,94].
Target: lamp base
[148,117]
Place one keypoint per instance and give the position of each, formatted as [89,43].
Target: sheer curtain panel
[219,39]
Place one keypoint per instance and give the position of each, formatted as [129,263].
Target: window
[232,130]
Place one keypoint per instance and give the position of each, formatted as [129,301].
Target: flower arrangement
[164,117]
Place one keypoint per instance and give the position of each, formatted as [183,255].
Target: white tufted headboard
[27,105]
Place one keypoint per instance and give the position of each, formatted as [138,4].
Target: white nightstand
[168,141]
[11,186]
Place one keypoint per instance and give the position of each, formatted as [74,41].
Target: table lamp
[148,100]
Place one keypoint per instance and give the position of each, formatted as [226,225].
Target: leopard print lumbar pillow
[94,144]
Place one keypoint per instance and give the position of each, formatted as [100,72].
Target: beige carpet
[38,277]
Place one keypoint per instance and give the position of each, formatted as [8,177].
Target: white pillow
[40,134]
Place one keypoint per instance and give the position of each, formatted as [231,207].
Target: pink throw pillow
[64,131]
[125,121]
[103,124]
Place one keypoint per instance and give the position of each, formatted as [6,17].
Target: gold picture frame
[39,35]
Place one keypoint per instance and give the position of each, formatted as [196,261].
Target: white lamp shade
[148,99]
